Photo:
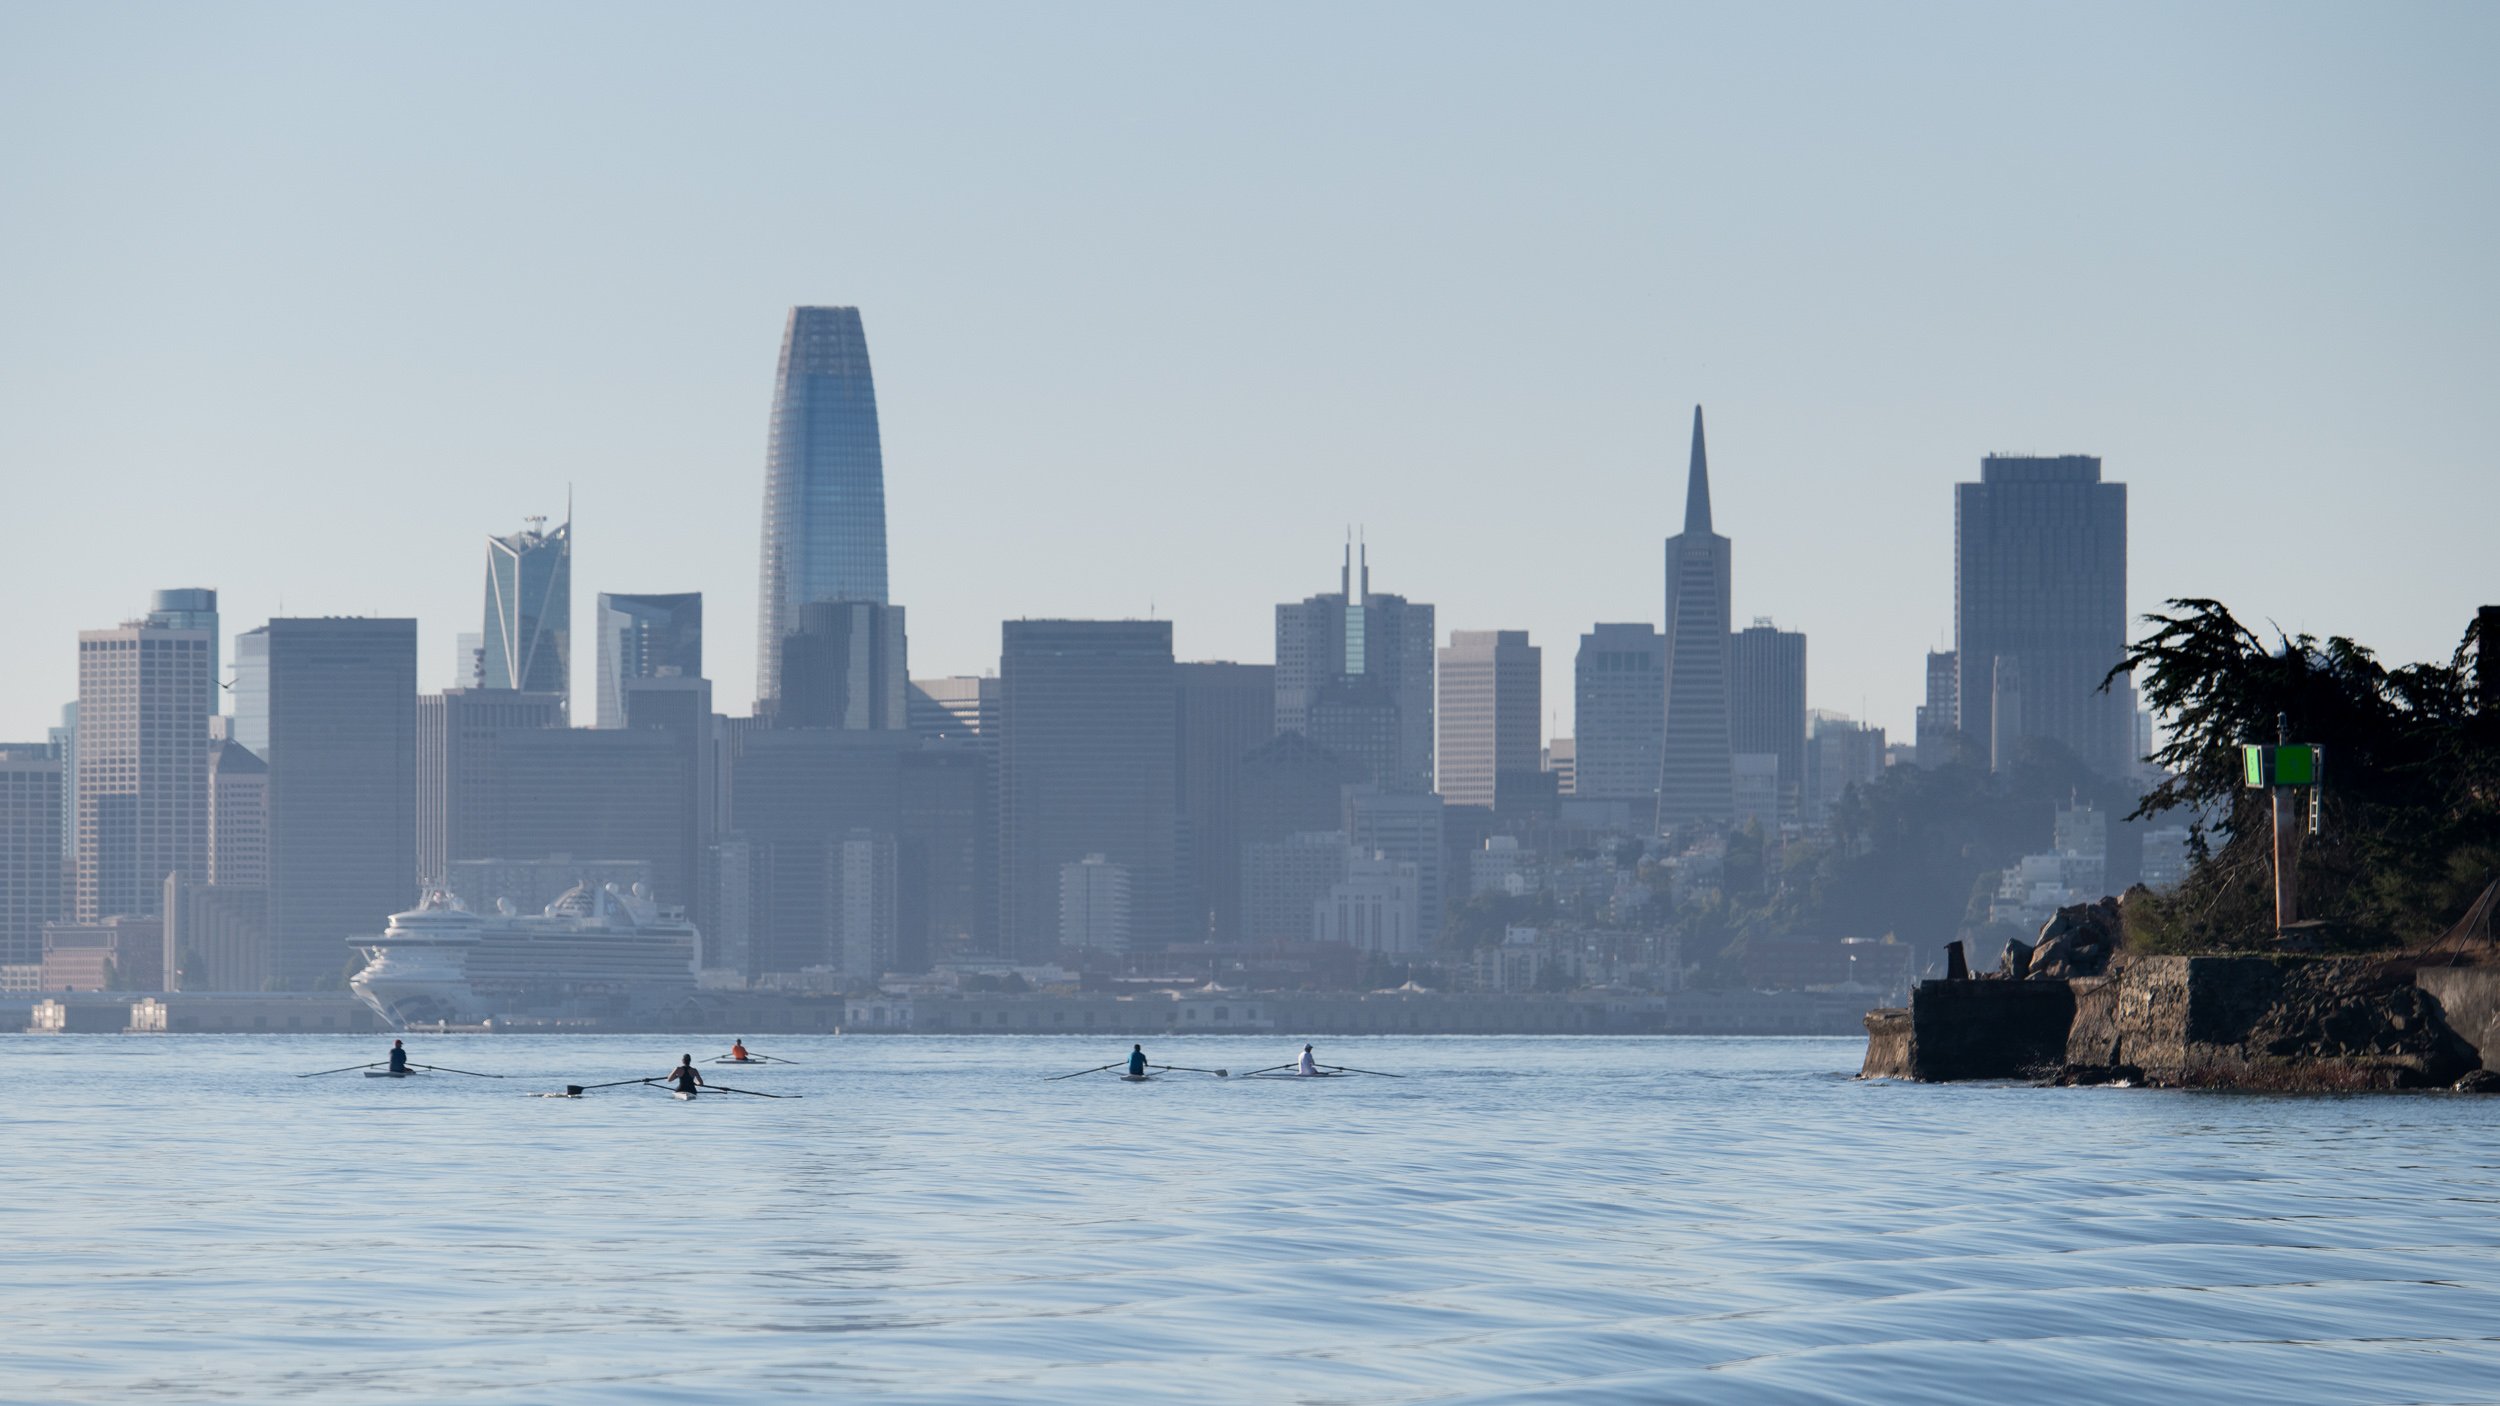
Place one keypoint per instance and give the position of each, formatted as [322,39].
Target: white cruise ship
[593,954]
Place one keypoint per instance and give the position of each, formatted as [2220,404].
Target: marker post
[2285,769]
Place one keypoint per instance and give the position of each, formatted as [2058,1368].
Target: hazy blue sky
[303,302]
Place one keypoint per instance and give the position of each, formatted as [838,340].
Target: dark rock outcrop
[2078,941]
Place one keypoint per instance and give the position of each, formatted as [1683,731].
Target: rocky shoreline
[2284,1023]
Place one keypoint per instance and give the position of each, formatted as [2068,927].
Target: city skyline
[1175,401]
[588,674]
[2064,664]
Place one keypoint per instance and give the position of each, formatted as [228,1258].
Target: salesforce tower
[824,481]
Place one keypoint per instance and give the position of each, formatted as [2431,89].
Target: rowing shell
[1137,1078]
[681,1093]
[390,1073]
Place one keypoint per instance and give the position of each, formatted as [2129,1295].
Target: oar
[1342,1069]
[319,1072]
[1271,1068]
[750,1093]
[440,1069]
[1185,1069]
[577,1090]
[1097,1069]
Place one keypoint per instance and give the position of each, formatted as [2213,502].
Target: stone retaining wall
[2237,1022]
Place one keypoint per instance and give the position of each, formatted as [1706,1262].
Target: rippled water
[1519,1220]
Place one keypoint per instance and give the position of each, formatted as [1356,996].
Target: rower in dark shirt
[1137,1061]
[399,1058]
[686,1076]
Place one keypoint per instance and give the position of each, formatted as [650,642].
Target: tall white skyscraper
[142,782]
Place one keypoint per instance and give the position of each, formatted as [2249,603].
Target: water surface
[1519,1219]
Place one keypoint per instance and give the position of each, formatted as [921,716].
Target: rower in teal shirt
[1137,1061]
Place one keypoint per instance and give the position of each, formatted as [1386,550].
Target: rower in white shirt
[1308,1065]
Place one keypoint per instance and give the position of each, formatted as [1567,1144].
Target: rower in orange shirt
[738,1050]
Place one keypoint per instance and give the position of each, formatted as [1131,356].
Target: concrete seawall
[2226,1022]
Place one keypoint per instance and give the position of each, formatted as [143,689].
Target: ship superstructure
[595,953]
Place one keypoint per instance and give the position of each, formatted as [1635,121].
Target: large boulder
[2078,941]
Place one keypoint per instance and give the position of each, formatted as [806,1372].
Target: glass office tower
[824,480]
[529,609]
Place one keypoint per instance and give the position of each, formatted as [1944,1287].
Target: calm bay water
[1519,1220]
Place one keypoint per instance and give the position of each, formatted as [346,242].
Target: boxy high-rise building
[142,781]
[342,788]
[192,608]
[1087,765]
[1938,737]
[238,817]
[460,774]
[499,779]
[2040,609]
[30,848]
[1491,711]
[1619,715]
[794,792]
[646,637]
[1354,674]
[947,853]
[1767,706]
[844,664]
[1226,712]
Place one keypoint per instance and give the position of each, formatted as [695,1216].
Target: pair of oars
[577,1090]
[708,1089]
[1123,1064]
[1331,1068]
[378,1063]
